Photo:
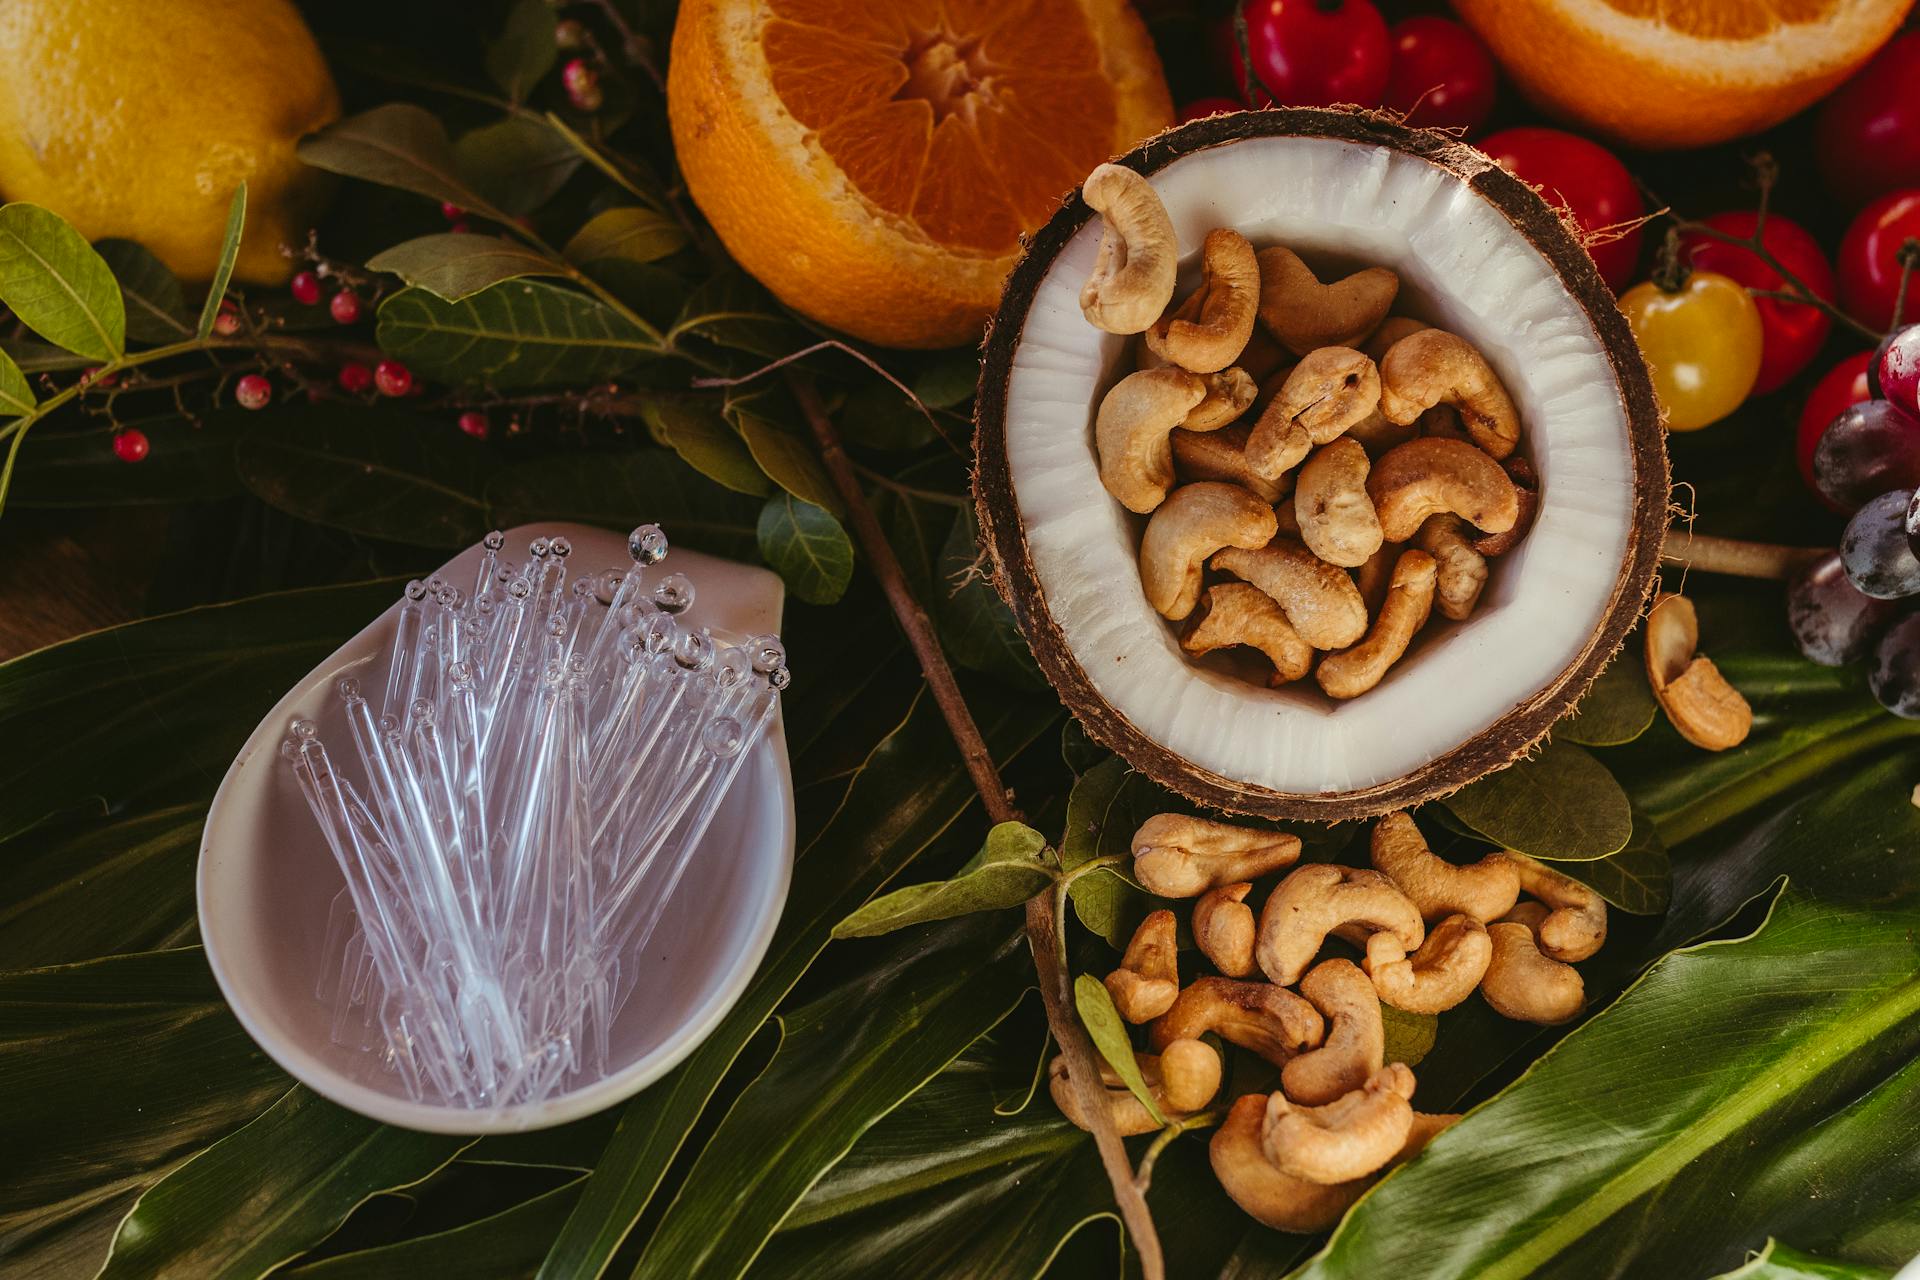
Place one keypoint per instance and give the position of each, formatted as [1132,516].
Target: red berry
[1794,332]
[1896,369]
[226,322]
[460,227]
[451,211]
[131,445]
[1868,139]
[1201,108]
[1844,384]
[1583,178]
[1311,54]
[1441,76]
[252,391]
[1870,259]
[354,377]
[345,307]
[583,84]
[392,378]
[305,288]
[474,423]
[92,377]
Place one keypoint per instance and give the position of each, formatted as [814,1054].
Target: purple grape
[1894,375]
[1913,523]
[1874,549]
[1895,677]
[1870,448]
[1832,622]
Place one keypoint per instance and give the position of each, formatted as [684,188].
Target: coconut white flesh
[1463,267]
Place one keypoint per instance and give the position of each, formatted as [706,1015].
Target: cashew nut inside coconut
[1526,492]
[1437,977]
[1271,1021]
[1134,274]
[1351,672]
[1391,330]
[1130,432]
[1182,1079]
[1316,899]
[1433,367]
[1210,328]
[1230,393]
[1223,928]
[1148,979]
[1176,855]
[1329,391]
[1319,599]
[1356,1042]
[1235,613]
[1337,521]
[1485,890]
[1347,1138]
[1576,926]
[1221,455]
[1432,475]
[1462,570]
[1195,521]
[1304,313]
[1523,984]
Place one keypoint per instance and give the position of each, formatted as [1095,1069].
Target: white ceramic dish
[266,880]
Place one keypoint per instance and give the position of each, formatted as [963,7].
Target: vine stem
[1734,557]
[1044,917]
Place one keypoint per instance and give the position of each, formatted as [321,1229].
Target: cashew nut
[1433,367]
[1133,276]
[1271,1021]
[1318,598]
[1209,330]
[1348,1138]
[1576,926]
[1377,435]
[1195,521]
[1707,711]
[1230,393]
[1304,313]
[1182,1079]
[1356,1042]
[1526,490]
[1316,899]
[1221,455]
[1148,979]
[1441,974]
[1234,613]
[1131,428]
[1485,890]
[1391,330]
[1520,982]
[1431,475]
[1462,570]
[1373,577]
[1223,928]
[1289,520]
[1263,355]
[1351,672]
[1330,390]
[1330,500]
[1179,856]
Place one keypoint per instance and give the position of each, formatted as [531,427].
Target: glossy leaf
[525,49]
[156,305]
[1617,708]
[521,333]
[618,490]
[976,627]
[1776,1261]
[16,397]
[1005,873]
[452,267]
[41,357]
[730,310]
[396,145]
[518,163]
[57,286]
[790,460]
[379,472]
[1107,806]
[948,378]
[123,885]
[1638,879]
[72,464]
[223,268]
[631,233]
[1561,804]
[807,547]
[877,416]
[1094,1004]
[503,1246]
[271,1190]
[701,434]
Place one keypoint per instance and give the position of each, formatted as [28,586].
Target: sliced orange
[874,162]
[1680,73]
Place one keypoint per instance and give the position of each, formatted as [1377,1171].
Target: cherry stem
[1908,256]
[1670,270]
[1735,557]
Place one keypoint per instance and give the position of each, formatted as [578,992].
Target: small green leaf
[397,145]
[976,626]
[1617,709]
[1107,805]
[1777,1262]
[949,379]
[452,267]
[787,458]
[1561,804]
[700,433]
[518,163]
[1005,873]
[57,285]
[156,305]
[730,310]
[1638,879]
[519,333]
[878,416]
[524,50]
[223,272]
[1409,1035]
[808,548]
[16,397]
[631,233]
[1109,1035]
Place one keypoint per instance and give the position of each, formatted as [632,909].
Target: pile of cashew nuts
[1426,932]
[1318,474]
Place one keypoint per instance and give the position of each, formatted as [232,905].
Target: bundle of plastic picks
[513,811]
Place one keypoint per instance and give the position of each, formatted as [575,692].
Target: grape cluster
[1863,601]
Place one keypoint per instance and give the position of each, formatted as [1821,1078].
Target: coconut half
[1478,253]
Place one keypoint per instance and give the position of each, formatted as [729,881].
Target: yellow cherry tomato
[1702,342]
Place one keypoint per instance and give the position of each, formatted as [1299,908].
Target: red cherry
[1869,259]
[345,307]
[305,288]
[451,211]
[474,423]
[252,391]
[1868,138]
[392,378]
[131,445]
[1583,178]
[354,377]
[1442,77]
[1794,332]
[1896,369]
[1311,53]
[226,321]
[1844,384]
[1201,108]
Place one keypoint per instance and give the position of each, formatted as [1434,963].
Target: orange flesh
[1726,19]
[949,112]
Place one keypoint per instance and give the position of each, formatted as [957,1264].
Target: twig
[1048,958]
[1734,557]
[1202,1120]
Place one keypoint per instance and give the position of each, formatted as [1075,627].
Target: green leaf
[223,270]
[1561,804]
[155,304]
[270,1191]
[57,285]
[42,357]
[520,333]
[397,145]
[630,233]
[1619,706]
[383,473]
[877,416]
[1107,805]
[617,491]
[699,432]
[1005,873]
[730,310]
[807,547]
[654,293]
[1689,1093]
[503,1246]
[68,896]
[16,397]
[1109,1034]
[1775,1261]
[452,267]
[1410,1036]
[976,627]
[1638,879]
[519,163]
[790,460]
[524,50]
[948,378]
[71,464]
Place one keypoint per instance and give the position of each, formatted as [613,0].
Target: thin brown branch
[1083,1072]
[1735,557]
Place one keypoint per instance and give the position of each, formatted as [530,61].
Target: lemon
[138,119]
